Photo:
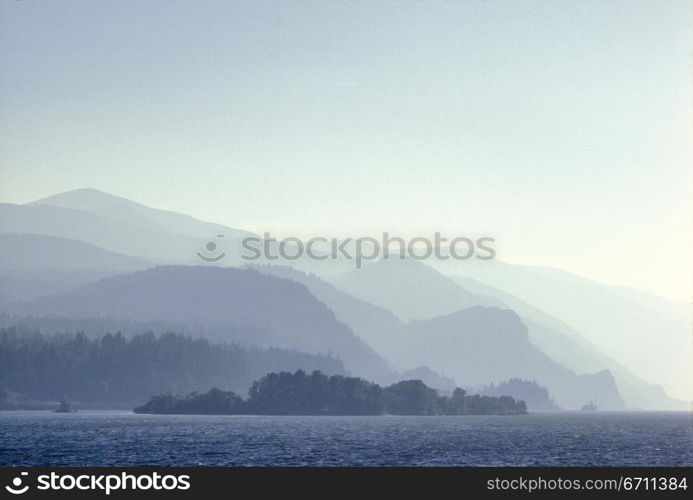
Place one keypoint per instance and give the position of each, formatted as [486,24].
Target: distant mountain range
[563,344]
[39,254]
[474,345]
[134,214]
[409,289]
[89,255]
[271,311]
[382,329]
[647,334]
[120,226]
[486,343]
[32,265]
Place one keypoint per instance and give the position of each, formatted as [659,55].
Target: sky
[560,128]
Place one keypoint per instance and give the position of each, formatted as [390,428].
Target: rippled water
[122,438]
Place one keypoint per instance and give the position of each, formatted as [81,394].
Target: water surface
[112,438]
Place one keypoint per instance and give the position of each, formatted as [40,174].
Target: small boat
[65,407]
[589,407]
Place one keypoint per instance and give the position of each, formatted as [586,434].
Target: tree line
[120,371]
[318,394]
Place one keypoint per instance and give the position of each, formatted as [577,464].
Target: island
[300,393]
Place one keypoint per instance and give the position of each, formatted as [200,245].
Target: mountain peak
[85,199]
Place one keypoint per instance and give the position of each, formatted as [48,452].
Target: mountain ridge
[279,312]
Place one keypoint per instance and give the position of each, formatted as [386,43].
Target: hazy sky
[561,128]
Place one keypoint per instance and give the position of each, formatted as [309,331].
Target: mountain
[405,348]
[483,344]
[98,230]
[567,347]
[559,341]
[122,226]
[269,311]
[378,327]
[582,325]
[32,265]
[408,288]
[132,213]
[647,334]
[35,253]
